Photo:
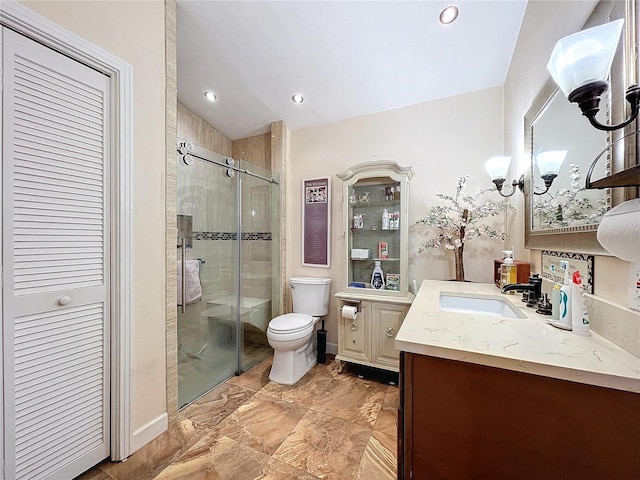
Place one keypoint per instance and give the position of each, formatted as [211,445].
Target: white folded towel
[193,288]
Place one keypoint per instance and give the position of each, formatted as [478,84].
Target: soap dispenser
[508,270]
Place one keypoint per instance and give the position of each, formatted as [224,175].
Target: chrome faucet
[534,289]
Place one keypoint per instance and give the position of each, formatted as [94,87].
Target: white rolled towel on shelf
[193,288]
[619,231]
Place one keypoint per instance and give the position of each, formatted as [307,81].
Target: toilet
[291,335]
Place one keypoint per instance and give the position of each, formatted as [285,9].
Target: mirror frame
[582,238]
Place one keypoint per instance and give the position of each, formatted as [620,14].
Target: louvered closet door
[56,263]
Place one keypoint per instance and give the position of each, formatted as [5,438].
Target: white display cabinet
[375,197]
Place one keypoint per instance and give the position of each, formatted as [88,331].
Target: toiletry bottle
[564,320]
[396,220]
[385,220]
[579,314]
[377,277]
[508,272]
[555,302]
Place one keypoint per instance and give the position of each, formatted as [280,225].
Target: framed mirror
[566,218]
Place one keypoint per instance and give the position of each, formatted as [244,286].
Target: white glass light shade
[497,167]
[549,162]
[584,57]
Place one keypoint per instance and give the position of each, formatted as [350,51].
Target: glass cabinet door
[375,215]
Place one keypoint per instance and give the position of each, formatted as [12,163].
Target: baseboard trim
[332,348]
[149,431]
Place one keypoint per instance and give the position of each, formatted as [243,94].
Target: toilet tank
[310,295]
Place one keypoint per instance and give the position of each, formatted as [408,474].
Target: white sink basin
[492,305]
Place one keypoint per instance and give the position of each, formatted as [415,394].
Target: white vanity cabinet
[369,339]
[375,200]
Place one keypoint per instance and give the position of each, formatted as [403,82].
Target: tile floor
[329,425]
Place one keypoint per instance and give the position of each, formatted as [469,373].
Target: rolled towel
[193,288]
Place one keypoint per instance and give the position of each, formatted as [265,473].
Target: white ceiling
[347,58]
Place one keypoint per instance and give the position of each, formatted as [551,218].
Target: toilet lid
[290,323]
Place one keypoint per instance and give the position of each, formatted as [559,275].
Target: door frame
[38,28]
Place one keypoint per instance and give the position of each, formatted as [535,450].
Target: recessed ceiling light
[448,15]
[297,98]
[209,95]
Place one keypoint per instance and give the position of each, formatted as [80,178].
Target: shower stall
[227,267]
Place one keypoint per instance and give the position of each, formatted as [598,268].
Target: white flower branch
[457,221]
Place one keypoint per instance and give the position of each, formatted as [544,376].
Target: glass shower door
[259,265]
[207,208]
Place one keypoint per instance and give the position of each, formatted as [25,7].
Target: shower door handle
[183,278]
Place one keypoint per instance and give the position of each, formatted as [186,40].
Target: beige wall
[117,27]
[442,140]
[544,23]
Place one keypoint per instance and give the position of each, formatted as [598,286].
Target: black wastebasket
[322,346]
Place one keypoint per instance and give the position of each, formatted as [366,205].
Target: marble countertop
[528,345]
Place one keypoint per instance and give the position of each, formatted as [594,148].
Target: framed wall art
[316,222]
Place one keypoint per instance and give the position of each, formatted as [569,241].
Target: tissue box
[360,253]
[393,281]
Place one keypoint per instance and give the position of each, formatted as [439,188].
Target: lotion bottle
[377,277]
[579,314]
[385,220]
[565,320]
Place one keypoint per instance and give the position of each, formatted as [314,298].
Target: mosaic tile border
[267,236]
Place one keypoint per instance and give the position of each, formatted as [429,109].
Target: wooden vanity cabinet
[459,420]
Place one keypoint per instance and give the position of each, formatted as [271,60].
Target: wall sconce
[548,162]
[580,65]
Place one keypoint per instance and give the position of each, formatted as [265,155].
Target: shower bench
[255,314]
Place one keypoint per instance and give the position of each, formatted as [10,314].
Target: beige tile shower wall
[544,23]
[201,185]
[256,150]
[256,203]
[256,269]
[193,128]
[218,277]
[257,254]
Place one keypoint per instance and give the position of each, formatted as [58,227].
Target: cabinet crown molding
[376,168]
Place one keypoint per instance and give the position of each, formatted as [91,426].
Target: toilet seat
[290,323]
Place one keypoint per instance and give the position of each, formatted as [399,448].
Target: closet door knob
[390,332]
[66,300]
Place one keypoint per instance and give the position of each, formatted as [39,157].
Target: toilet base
[289,366]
